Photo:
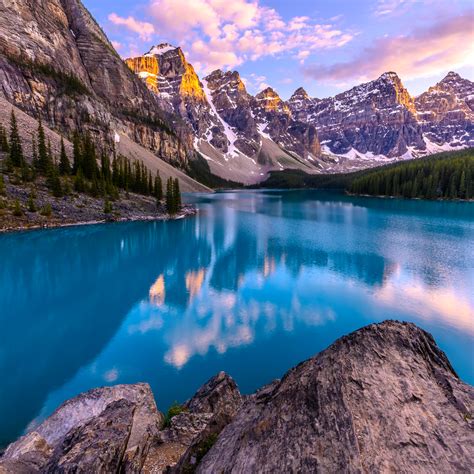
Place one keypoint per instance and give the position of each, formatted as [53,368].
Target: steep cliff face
[147,68]
[446,113]
[275,119]
[178,89]
[300,104]
[232,103]
[269,101]
[56,62]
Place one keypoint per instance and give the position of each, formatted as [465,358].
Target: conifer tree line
[173,196]
[448,176]
[91,170]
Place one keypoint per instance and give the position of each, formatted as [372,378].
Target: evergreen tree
[79,182]
[115,171]
[2,186]
[16,151]
[26,174]
[64,165]
[462,185]
[77,154]
[31,202]
[176,196]
[34,147]
[158,187]
[105,167]
[107,207]
[44,161]
[46,210]
[3,140]
[89,158]
[51,158]
[54,182]
[150,184]
[170,206]
[17,210]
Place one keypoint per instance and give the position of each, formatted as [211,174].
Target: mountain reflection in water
[257,282]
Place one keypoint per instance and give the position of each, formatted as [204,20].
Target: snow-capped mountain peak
[160,49]
[240,134]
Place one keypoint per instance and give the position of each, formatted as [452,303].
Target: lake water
[256,283]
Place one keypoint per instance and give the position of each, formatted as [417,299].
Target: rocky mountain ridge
[373,123]
[382,399]
[446,113]
[56,63]
[379,120]
[242,137]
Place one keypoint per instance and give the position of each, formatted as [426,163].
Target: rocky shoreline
[382,399]
[186,211]
[75,209]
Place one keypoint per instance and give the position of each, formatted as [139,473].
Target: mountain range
[56,63]
[243,136]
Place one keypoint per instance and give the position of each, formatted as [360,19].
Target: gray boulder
[383,399]
[203,417]
[96,431]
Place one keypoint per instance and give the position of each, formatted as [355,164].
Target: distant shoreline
[382,196]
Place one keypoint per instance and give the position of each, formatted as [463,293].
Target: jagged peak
[160,49]
[390,76]
[452,76]
[268,93]
[300,93]
[214,74]
[228,81]
[219,73]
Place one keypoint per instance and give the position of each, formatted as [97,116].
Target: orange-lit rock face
[190,85]
[403,97]
[167,70]
[270,101]
[147,68]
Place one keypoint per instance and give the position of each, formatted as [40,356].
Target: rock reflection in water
[254,284]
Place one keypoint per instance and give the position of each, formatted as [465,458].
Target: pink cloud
[391,8]
[144,29]
[255,82]
[426,51]
[224,34]
[213,55]
[117,45]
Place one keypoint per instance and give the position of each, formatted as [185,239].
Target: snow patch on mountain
[229,133]
[160,49]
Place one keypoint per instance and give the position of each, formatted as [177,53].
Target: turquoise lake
[254,284]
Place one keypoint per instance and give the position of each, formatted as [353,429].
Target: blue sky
[324,46]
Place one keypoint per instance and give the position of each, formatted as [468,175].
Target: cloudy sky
[324,46]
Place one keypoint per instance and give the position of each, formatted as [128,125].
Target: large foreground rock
[383,399]
[97,431]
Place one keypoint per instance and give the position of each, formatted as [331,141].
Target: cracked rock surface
[382,399]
